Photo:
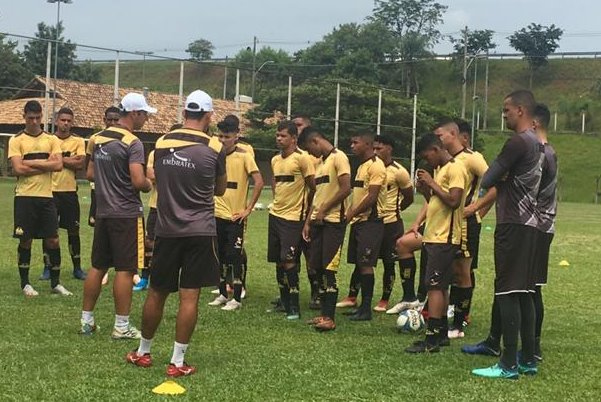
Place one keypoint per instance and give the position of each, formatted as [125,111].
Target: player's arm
[512,151]
[482,204]
[90,170]
[258,187]
[344,190]
[419,219]
[407,197]
[150,173]
[54,163]
[310,184]
[74,162]
[307,226]
[138,178]
[220,184]
[21,169]
[451,198]
[367,202]
[403,181]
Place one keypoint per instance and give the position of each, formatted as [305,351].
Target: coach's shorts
[392,231]
[35,218]
[439,264]
[543,245]
[326,245]
[514,258]
[119,243]
[151,222]
[283,240]
[92,212]
[365,241]
[67,207]
[184,263]
[230,240]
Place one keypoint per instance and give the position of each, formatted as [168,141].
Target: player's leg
[406,245]
[148,250]
[388,256]
[355,283]
[222,244]
[462,289]
[69,216]
[233,258]
[290,234]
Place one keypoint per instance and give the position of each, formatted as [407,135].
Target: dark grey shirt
[186,163]
[547,194]
[114,150]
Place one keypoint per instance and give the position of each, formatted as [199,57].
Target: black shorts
[184,263]
[326,245]
[543,245]
[392,231]
[364,243]
[439,264]
[230,240]
[119,243]
[151,222]
[514,258]
[35,218]
[67,207]
[92,212]
[283,240]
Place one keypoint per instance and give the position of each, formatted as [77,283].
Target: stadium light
[254,77]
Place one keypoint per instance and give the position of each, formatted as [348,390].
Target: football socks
[24,255]
[54,257]
[388,279]
[408,267]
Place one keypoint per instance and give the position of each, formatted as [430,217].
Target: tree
[478,41]
[277,66]
[86,72]
[414,24]
[36,52]
[13,72]
[200,49]
[536,42]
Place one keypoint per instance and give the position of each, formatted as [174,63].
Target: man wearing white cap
[189,168]
[117,169]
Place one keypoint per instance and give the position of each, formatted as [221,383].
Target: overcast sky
[166,27]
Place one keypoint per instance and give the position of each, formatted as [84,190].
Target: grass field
[255,355]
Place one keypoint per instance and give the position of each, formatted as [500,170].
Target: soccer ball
[259,207]
[410,321]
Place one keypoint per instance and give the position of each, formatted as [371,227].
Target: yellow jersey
[397,179]
[65,180]
[290,191]
[371,172]
[239,165]
[330,168]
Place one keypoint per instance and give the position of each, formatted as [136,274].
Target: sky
[166,27]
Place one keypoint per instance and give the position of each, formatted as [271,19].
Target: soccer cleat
[326,324]
[79,274]
[232,305]
[381,306]
[315,303]
[174,371]
[293,315]
[243,294]
[141,285]
[315,320]
[481,348]
[87,329]
[451,311]
[497,371]
[29,291]
[215,291]
[422,347]
[61,290]
[131,333]
[528,368]
[444,341]
[402,306]
[361,315]
[219,300]
[455,333]
[139,360]
[347,302]
[45,274]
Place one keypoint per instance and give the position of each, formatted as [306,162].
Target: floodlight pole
[58,19]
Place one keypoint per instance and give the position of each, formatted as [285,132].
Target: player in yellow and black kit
[231,211]
[64,190]
[365,216]
[34,155]
[325,225]
[293,177]
[442,235]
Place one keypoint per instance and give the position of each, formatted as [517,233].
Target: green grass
[255,355]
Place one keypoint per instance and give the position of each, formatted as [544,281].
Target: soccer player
[117,167]
[325,225]
[516,174]
[231,211]
[442,234]
[399,196]
[476,166]
[546,205]
[34,155]
[365,217]
[190,170]
[293,178]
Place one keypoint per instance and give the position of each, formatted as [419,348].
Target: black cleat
[361,316]
[422,347]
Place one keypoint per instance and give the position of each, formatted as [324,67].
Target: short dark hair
[32,106]
[385,140]
[464,126]
[365,135]
[194,115]
[542,114]
[445,121]
[229,124]
[428,141]
[288,126]
[65,110]
[175,126]
[523,98]
[111,109]
[308,134]
[305,117]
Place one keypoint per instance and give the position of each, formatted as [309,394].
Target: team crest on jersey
[101,154]
[19,231]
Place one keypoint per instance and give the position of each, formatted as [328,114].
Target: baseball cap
[133,102]
[199,101]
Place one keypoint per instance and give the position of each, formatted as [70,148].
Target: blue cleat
[528,368]
[481,348]
[79,274]
[497,371]
[45,275]
[142,285]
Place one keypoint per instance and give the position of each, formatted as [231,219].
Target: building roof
[89,100]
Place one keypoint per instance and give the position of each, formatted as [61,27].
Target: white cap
[199,101]
[133,102]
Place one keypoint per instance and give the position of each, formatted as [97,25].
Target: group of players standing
[195,231]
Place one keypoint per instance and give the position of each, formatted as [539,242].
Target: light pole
[144,54]
[58,19]
[254,78]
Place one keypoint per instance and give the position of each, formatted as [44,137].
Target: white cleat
[243,294]
[219,300]
[455,334]
[215,291]
[232,305]
[29,291]
[402,306]
[61,290]
[130,333]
